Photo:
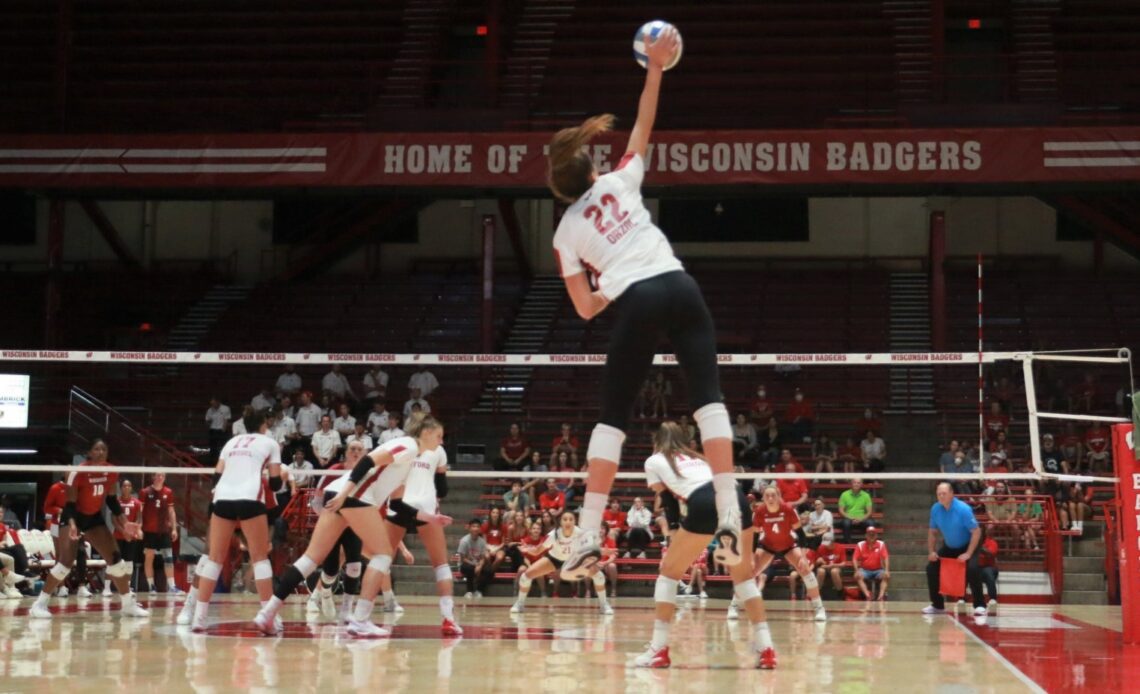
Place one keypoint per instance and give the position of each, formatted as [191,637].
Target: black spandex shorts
[557,562]
[778,554]
[404,518]
[701,517]
[238,509]
[157,541]
[131,550]
[87,521]
[349,502]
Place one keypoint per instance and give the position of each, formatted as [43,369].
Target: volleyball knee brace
[201,564]
[381,563]
[745,591]
[713,422]
[599,580]
[353,569]
[59,571]
[442,573]
[810,581]
[262,570]
[524,582]
[665,590]
[211,570]
[119,569]
[605,443]
[168,555]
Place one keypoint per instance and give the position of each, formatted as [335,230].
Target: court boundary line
[1024,678]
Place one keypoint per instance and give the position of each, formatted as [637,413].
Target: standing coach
[954,520]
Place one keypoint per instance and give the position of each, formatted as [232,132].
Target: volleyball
[652,30]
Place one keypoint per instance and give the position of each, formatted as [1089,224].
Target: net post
[1031,408]
[1128,493]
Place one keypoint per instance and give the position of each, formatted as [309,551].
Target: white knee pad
[713,422]
[599,580]
[605,443]
[381,563]
[524,582]
[745,591]
[119,569]
[59,571]
[211,571]
[665,590]
[262,570]
[305,565]
[353,569]
[810,581]
[442,573]
[167,555]
[201,564]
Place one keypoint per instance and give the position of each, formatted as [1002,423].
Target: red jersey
[608,557]
[53,503]
[494,534]
[132,507]
[996,423]
[799,410]
[778,526]
[514,448]
[561,441]
[532,547]
[863,425]
[614,519]
[92,487]
[830,554]
[155,509]
[1096,439]
[870,556]
[555,503]
[852,452]
[791,490]
[989,557]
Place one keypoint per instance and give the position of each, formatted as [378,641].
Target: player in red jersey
[160,530]
[130,547]
[53,507]
[89,490]
[778,523]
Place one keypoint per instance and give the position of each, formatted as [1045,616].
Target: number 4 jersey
[609,232]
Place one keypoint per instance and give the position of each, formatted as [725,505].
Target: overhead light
[18,451]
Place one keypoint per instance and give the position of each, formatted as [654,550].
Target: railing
[1048,527]
[1112,535]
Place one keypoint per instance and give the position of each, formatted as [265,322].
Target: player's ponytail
[568,175]
[669,441]
[419,422]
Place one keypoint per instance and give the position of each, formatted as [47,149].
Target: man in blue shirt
[954,520]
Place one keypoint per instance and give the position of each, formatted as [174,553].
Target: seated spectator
[946,462]
[867,422]
[769,443]
[1029,512]
[532,548]
[377,419]
[517,530]
[793,492]
[359,434]
[494,531]
[566,485]
[1072,447]
[849,455]
[513,450]
[639,520]
[1077,506]
[873,453]
[608,564]
[761,410]
[546,520]
[328,405]
[1097,457]
[288,383]
[298,471]
[855,508]
[344,422]
[263,400]
[828,560]
[536,464]
[285,407]
[1000,445]
[613,517]
[326,444]
[416,400]
[393,431]
[872,563]
[472,553]
[424,381]
[238,427]
[820,519]
[987,565]
[995,421]
[745,445]
[552,500]
[806,536]
[375,384]
[565,442]
[823,452]
[517,498]
[284,431]
[800,418]
[335,385]
[786,459]
[1001,508]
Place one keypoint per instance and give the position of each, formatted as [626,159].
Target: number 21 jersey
[609,232]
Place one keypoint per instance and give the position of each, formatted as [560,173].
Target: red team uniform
[156,505]
[132,508]
[778,528]
[53,506]
[92,488]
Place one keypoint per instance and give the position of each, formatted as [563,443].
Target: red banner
[1124,455]
[517,160]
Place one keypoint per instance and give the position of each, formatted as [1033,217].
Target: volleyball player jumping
[607,232]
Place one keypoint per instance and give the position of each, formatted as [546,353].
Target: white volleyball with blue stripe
[650,31]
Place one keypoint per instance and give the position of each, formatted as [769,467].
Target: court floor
[566,646]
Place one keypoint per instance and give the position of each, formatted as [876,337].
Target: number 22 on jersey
[605,220]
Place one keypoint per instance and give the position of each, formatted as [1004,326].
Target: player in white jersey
[321,599]
[239,500]
[606,234]
[679,474]
[559,545]
[425,485]
[353,501]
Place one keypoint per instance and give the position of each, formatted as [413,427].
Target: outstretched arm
[659,53]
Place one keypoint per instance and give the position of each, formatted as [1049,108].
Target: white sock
[126,599]
[200,611]
[389,597]
[363,610]
[725,485]
[43,597]
[447,607]
[192,595]
[271,606]
[593,507]
[816,603]
[761,636]
[660,634]
[522,597]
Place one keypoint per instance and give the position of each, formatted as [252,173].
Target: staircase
[504,391]
[1035,73]
[912,388]
[405,84]
[530,53]
[188,333]
[913,49]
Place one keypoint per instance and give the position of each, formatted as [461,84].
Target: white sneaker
[479,594]
[704,595]
[38,611]
[979,611]
[931,609]
[107,589]
[653,658]
[328,605]
[393,607]
[185,615]
[367,630]
[517,607]
[685,588]
[468,595]
[641,555]
[584,556]
[605,608]
[266,625]
[198,625]
[11,592]
[992,606]
[729,551]
[133,609]
[83,592]
[820,614]
[61,592]
[313,604]
[733,611]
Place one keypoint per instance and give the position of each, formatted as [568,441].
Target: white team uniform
[245,457]
[379,483]
[560,545]
[695,473]
[609,232]
[419,487]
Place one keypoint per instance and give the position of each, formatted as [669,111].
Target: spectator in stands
[567,485]
[335,385]
[1029,512]
[299,468]
[761,410]
[472,553]
[416,400]
[820,520]
[823,452]
[359,434]
[872,563]
[494,531]
[1078,505]
[828,560]
[849,455]
[288,383]
[988,567]
[946,461]
[284,431]
[552,500]
[962,465]
[566,442]
[613,517]
[873,453]
[689,430]
[377,419]
[423,381]
[393,431]
[786,458]
[995,421]
[1001,508]
[793,492]
[639,520]
[867,422]
[285,407]
[954,520]
[659,390]
[326,444]
[263,400]
[546,520]
[536,464]
[375,385]
[517,498]
[1001,447]
[238,427]
[745,445]
[1071,447]
[328,405]
[800,418]
[308,421]
[344,423]
[1052,461]
[770,443]
[218,418]
[1097,457]
[855,508]
[513,450]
